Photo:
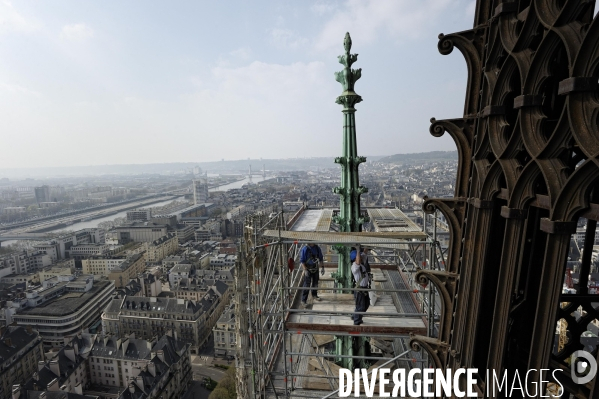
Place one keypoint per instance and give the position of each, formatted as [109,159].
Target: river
[239,183]
[94,222]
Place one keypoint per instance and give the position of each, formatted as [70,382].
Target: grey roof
[196,284]
[10,291]
[146,382]
[44,376]
[181,268]
[157,305]
[173,258]
[55,395]
[140,225]
[128,262]
[228,315]
[19,338]
[220,288]
[137,394]
[110,347]
[192,284]
[115,305]
[70,304]
[131,288]
[164,238]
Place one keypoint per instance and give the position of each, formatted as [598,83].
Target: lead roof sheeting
[308,221]
[324,223]
[392,220]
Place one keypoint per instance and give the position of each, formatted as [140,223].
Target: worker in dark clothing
[362,281]
[310,258]
[364,258]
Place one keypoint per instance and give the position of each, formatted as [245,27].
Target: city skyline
[119,84]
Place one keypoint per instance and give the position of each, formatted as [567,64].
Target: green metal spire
[349,218]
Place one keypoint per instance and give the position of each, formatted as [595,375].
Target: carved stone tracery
[529,131]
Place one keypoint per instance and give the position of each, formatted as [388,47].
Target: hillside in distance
[240,166]
[431,156]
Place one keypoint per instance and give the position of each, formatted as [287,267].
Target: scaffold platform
[391,240]
[333,313]
[291,350]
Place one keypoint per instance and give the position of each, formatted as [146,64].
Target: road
[196,391]
[202,367]
[199,372]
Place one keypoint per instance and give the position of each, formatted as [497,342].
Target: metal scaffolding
[287,351]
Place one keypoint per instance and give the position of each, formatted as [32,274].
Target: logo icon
[583,367]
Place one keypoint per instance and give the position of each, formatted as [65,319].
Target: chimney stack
[69,352]
[16,391]
[55,367]
[152,369]
[53,385]
[125,345]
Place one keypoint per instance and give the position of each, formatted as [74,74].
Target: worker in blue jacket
[310,258]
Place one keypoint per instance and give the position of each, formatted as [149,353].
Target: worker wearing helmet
[310,258]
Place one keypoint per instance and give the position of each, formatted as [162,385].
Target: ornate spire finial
[347,43]
[348,76]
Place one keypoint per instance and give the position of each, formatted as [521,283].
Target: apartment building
[142,215]
[20,351]
[224,333]
[101,266]
[200,191]
[63,268]
[145,284]
[195,287]
[111,367]
[28,279]
[141,232]
[145,317]
[24,262]
[58,247]
[222,262]
[202,235]
[162,247]
[127,270]
[184,233]
[83,251]
[180,271]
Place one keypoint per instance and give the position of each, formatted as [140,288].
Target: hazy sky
[113,82]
